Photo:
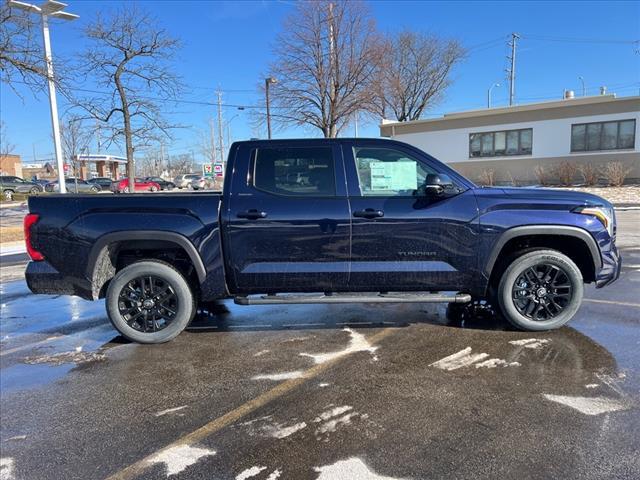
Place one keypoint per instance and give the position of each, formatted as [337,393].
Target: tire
[153,188]
[8,194]
[540,290]
[129,290]
[125,189]
[34,191]
[95,189]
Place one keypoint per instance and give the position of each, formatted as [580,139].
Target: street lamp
[54,9]
[489,94]
[269,81]
[228,122]
[584,88]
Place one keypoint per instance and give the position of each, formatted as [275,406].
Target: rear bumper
[43,278]
[611,266]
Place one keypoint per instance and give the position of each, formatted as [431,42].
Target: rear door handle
[368,213]
[252,214]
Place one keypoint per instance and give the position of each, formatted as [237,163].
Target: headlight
[605,215]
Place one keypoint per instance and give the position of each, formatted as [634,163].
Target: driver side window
[387,172]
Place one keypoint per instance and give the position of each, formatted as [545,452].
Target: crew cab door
[403,240]
[287,220]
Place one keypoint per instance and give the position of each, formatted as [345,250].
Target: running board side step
[400,297]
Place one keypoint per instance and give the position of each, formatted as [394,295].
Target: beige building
[10,165]
[513,143]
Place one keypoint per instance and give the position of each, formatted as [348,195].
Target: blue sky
[227,45]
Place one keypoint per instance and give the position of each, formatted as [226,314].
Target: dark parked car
[164,184]
[325,221]
[11,185]
[74,185]
[104,182]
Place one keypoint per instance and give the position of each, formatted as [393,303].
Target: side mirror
[436,184]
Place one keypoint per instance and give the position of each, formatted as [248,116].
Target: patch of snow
[592,385]
[332,425]
[6,468]
[249,473]
[350,469]
[78,349]
[323,385]
[296,339]
[496,362]
[332,413]
[76,356]
[279,432]
[259,419]
[589,405]
[17,437]
[170,410]
[463,358]
[532,343]
[276,377]
[178,458]
[357,343]
[275,474]
[259,354]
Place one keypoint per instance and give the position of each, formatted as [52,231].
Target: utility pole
[512,70]
[48,9]
[220,133]
[212,140]
[267,82]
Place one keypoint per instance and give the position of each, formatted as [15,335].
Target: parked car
[184,181]
[374,221]
[104,182]
[122,186]
[74,185]
[164,184]
[203,183]
[11,185]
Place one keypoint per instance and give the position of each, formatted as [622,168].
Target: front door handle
[368,213]
[252,214]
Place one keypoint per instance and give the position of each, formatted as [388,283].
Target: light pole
[489,94]
[229,125]
[584,88]
[268,81]
[54,9]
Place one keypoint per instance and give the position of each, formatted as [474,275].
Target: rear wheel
[95,189]
[153,188]
[150,302]
[540,290]
[125,189]
[34,191]
[8,194]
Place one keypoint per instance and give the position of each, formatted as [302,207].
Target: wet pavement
[323,392]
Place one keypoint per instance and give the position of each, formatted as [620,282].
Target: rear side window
[295,171]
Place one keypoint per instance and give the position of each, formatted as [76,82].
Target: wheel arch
[574,242]
[102,261]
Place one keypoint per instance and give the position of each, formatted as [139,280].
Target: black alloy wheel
[148,303]
[542,292]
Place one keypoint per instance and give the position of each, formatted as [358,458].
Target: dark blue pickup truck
[324,221]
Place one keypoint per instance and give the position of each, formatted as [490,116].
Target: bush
[512,179]
[488,178]
[615,173]
[541,174]
[589,174]
[566,172]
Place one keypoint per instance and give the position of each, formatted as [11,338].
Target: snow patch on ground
[279,431]
[260,353]
[589,405]
[592,385]
[249,473]
[6,468]
[170,410]
[178,458]
[323,385]
[350,469]
[497,362]
[463,358]
[533,343]
[17,437]
[275,474]
[276,377]
[332,413]
[330,420]
[357,343]
[76,356]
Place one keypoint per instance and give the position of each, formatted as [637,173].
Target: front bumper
[611,267]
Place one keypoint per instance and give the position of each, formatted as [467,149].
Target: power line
[579,40]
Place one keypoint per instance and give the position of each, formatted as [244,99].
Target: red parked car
[122,186]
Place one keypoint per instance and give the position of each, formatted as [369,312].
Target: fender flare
[558,230]
[101,244]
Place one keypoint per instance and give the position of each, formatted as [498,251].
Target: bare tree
[21,54]
[129,54]
[208,144]
[326,56]
[75,140]
[413,74]
[5,146]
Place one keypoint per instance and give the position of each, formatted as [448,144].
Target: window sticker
[394,176]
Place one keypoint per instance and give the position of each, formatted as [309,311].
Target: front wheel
[34,191]
[8,195]
[153,188]
[150,302]
[95,189]
[540,290]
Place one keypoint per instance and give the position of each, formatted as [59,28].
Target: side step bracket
[386,297]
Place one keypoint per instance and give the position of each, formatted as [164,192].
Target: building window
[617,135]
[502,143]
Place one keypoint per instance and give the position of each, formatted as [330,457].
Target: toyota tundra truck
[324,221]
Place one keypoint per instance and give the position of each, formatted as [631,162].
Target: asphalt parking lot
[375,392]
